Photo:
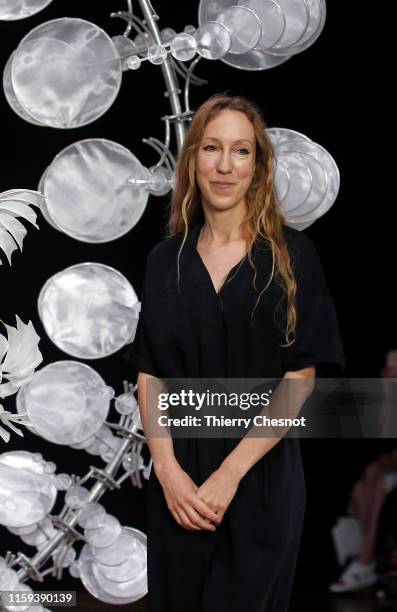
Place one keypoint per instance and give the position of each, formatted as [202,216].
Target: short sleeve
[317,339]
[140,353]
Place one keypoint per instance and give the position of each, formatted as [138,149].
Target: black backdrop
[330,93]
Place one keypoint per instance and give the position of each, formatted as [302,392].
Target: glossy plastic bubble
[166,35]
[281,135]
[299,180]
[119,551]
[127,578]
[160,180]
[20,607]
[183,47]
[309,151]
[213,40]
[317,16]
[92,516]
[157,54]
[8,579]
[272,19]
[244,27]
[11,97]
[134,62]
[76,497]
[87,193]
[89,311]
[318,189]
[126,403]
[125,48]
[66,72]
[64,555]
[27,493]
[104,535]
[94,584]
[43,532]
[58,406]
[297,21]
[253,60]
[11,10]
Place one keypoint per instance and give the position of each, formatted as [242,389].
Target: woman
[233,293]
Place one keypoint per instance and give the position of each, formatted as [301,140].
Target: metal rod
[167,70]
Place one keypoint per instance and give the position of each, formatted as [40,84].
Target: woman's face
[225,161]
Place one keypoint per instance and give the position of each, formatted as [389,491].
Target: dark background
[331,92]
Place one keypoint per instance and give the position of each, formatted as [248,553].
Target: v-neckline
[227,279]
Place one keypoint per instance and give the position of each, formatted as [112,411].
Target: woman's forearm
[161,445]
[287,401]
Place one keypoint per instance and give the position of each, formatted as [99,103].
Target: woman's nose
[224,163]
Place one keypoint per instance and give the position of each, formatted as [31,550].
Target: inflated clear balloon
[27,493]
[272,19]
[77,497]
[43,207]
[299,181]
[127,578]
[183,47]
[19,607]
[190,29]
[63,482]
[297,21]
[106,534]
[11,10]
[11,97]
[316,19]
[213,40]
[126,592]
[22,530]
[43,532]
[8,579]
[89,310]
[64,555]
[57,405]
[313,153]
[125,48]
[253,60]
[319,186]
[66,72]
[74,569]
[166,35]
[133,62]
[117,552]
[244,27]
[125,403]
[88,194]
[282,135]
[92,516]
[157,54]
[160,180]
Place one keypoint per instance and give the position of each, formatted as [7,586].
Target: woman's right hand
[186,507]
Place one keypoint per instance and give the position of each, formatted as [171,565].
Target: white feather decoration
[22,356]
[16,203]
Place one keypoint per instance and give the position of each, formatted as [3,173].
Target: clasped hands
[197,508]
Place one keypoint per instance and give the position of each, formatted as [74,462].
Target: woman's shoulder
[168,247]
[299,244]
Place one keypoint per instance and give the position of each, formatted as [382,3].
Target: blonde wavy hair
[264,218]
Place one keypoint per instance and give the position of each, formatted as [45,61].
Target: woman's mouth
[221,185]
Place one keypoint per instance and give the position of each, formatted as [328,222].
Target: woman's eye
[243,151]
[209,148]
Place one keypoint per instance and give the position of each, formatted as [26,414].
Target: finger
[199,520]
[186,522]
[204,509]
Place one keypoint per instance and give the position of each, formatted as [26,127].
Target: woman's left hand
[218,490]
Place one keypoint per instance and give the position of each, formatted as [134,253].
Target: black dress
[249,562]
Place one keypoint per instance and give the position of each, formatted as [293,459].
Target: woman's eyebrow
[234,142]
